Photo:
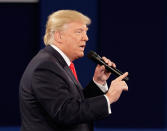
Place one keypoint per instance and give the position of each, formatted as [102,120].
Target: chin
[81,55]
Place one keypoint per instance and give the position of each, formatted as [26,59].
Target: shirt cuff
[103,88]
[108,102]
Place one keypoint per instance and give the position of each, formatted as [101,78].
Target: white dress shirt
[103,88]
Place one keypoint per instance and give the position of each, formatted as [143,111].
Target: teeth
[82,47]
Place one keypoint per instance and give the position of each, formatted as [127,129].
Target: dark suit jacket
[51,99]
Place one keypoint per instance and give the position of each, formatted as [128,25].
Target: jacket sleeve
[92,90]
[52,92]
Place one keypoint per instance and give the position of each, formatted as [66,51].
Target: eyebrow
[82,29]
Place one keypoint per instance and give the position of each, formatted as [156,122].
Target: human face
[74,37]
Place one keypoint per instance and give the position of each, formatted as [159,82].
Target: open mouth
[82,46]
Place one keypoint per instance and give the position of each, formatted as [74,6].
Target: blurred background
[132,33]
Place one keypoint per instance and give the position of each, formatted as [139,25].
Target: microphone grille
[91,54]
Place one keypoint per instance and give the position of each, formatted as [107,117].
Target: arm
[92,90]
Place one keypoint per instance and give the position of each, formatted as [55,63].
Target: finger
[125,88]
[98,66]
[107,61]
[102,67]
[120,78]
[110,63]
[114,65]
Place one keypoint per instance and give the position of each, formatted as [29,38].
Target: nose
[85,37]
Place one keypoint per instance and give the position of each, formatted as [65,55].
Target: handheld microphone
[97,59]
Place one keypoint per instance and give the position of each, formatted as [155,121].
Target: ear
[57,37]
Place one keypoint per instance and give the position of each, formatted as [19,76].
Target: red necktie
[72,67]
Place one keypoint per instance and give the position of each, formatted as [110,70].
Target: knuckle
[103,57]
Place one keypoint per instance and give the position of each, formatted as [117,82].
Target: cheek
[76,38]
[73,42]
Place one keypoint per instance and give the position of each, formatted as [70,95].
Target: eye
[78,31]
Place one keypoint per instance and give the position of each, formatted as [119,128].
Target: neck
[64,51]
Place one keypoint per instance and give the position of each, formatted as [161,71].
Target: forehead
[76,26]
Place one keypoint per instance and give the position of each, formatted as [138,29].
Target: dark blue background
[19,42]
[130,33]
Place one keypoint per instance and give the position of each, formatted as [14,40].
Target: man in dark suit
[51,97]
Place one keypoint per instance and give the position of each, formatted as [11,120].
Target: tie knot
[72,65]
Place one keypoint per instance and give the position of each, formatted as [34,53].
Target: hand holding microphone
[97,59]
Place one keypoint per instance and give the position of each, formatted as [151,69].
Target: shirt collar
[67,60]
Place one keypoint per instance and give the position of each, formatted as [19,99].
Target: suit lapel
[66,68]
[76,83]
[56,55]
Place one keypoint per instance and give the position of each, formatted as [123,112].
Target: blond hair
[58,19]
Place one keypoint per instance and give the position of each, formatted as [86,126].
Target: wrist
[109,98]
[99,81]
